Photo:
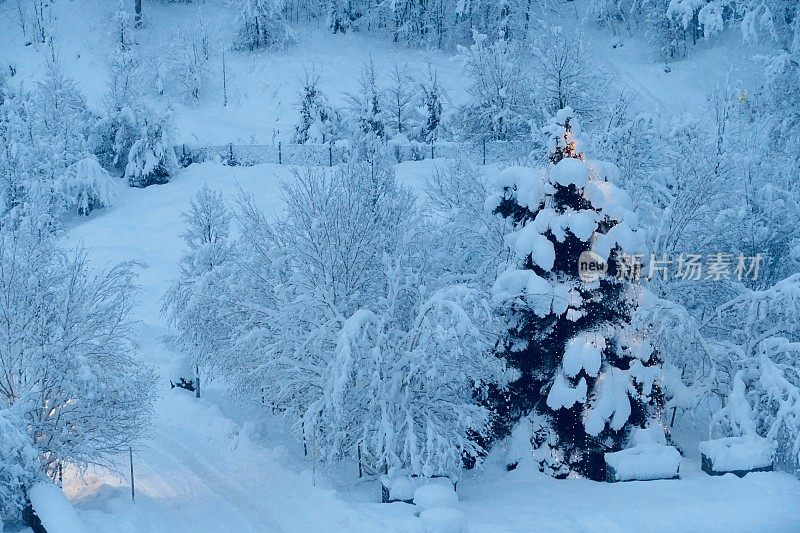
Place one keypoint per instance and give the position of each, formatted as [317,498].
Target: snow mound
[443,520]
[438,492]
[738,453]
[54,509]
[644,462]
[570,171]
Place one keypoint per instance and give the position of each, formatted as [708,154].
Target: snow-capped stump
[437,492]
[643,462]
[737,455]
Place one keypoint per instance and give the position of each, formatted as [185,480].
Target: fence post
[231,161]
[330,153]
[197,379]
[280,155]
[432,156]
[484,151]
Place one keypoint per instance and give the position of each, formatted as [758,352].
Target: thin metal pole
[133,483]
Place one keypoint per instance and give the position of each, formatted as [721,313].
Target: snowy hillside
[511,265]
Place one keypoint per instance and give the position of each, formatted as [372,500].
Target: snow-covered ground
[215,466]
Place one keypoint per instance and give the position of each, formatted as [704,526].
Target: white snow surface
[438,492]
[738,453]
[645,462]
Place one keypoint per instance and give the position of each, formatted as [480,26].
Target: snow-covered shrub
[90,185]
[319,122]
[260,25]
[152,160]
[19,465]
[186,58]
[67,371]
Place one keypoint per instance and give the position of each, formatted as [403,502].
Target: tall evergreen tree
[585,376]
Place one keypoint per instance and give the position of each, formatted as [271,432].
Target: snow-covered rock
[437,492]
[643,462]
[738,454]
[443,520]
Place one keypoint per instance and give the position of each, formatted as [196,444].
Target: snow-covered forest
[399,265]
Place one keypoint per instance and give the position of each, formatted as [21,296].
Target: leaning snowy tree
[586,377]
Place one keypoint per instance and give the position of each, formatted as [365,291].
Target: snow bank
[644,462]
[438,492]
[738,453]
[444,520]
[54,509]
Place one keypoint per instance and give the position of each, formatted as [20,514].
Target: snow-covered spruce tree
[260,25]
[187,304]
[432,104]
[68,380]
[585,379]
[152,160]
[319,122]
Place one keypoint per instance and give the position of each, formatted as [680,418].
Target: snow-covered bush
[90,185]
[19,465]
[260,25]
[319,122]
[186,58]
[152,160]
